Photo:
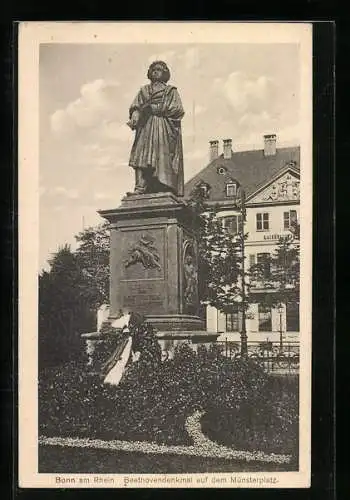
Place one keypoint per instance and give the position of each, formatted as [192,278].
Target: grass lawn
[57,459]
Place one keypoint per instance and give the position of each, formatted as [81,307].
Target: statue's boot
[140,183]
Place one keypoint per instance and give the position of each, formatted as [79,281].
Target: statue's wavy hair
[166,71]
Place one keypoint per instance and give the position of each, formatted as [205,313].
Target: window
[204,188]
[262,222]
[222,170]
[289,218]
[251,260]
[231,189]
[232,320]
[232,223]
[265,322]
[263,260]
[292,316]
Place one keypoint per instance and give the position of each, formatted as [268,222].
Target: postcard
[165,254]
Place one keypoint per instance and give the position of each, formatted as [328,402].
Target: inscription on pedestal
[144,297]
[143,300]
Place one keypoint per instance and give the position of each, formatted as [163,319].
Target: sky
[229,91]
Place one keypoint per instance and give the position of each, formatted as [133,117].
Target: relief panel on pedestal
[143,255]
[142,283]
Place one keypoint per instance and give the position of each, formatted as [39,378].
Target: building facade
[270,179]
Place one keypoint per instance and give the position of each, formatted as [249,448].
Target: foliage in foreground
[272,422]
[153,405]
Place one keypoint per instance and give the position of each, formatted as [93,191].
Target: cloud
[116,131]
[257,105]
[217,83]
[286,136]
[199,109]
[167,56]
[96,101]
[102,196]
[289,136]
[197,154]
[191,58]
[92,148]
[245,92]
[68,193]
[108,154]
[103,162]
[58,120]
[108,164]
[253,126]
[257,121]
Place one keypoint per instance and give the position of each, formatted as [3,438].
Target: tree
[93,257]
[64,312]
[71,292]
[280,272]
[220,256]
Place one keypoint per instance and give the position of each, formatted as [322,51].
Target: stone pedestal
[154,262]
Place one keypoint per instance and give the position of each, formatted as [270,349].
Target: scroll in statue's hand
[134,119]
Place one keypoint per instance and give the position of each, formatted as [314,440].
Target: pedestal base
[154,261]
[170,340]
[176,322]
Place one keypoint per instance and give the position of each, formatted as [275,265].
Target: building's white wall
[277,324]
[252,323]
[276,228]
[257,242]
[212,319]
[221,322]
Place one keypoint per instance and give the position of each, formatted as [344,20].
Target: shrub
[243,404]
[268,423]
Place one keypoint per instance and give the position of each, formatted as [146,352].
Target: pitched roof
[250,168]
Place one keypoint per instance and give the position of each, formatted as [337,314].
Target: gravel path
[203,446]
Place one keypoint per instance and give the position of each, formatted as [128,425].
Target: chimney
[270,145]
[213,150]
[227,148]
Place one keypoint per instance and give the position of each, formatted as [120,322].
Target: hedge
[243,407]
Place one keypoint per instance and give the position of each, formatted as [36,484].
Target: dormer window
[204,189]
[201,189]
[231,189]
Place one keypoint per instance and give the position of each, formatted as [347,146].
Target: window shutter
[258,222]
[266,220]
[251,260]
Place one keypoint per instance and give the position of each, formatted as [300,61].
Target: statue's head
[189,259]
[158,71]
